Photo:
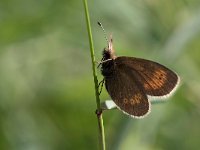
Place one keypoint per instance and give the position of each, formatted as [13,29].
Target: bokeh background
[47,99]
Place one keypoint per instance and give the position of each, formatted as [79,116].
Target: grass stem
[99,111]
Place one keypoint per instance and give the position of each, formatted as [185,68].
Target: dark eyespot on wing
[127,94]
[156,79]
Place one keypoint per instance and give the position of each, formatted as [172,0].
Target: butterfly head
[109,53]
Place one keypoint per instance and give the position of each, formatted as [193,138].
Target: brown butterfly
[132,81]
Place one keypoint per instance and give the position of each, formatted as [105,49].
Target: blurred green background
[47,99]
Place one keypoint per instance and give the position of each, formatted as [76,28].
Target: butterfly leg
[99,63]
[103,61]
[101,83]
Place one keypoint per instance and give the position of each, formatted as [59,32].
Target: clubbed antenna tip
[99,24]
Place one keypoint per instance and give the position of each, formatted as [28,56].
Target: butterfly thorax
[108,60]
[108,65]
[107,68]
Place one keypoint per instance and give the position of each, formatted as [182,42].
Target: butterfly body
[130,81]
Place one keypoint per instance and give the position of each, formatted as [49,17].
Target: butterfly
[131,81]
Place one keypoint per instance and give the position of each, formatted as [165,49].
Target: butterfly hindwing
[127,93]
[156,79]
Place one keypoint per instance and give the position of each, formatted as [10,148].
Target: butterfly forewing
[127,93]
[155,79]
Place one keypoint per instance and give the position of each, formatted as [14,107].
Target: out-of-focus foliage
[47,97]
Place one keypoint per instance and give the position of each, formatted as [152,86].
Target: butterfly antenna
[105,35]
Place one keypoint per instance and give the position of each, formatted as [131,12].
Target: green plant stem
[99,111]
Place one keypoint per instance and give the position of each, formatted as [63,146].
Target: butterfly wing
[127,93]
[156,79]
